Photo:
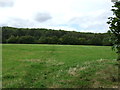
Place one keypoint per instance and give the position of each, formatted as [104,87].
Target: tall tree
[114,23]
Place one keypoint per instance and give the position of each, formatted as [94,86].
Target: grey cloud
[42,17]
[6,3]
[18,22]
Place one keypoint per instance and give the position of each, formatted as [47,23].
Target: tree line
[50,36]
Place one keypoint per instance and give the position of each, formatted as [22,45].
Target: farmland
[58,66]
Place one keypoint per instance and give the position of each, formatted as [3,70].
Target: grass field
[58,66]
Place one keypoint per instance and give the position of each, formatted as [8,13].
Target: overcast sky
[70,15]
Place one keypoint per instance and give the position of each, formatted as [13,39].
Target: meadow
[58,66]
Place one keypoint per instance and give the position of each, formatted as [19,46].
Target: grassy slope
[58,66]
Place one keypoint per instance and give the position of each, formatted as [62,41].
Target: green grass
[58,66]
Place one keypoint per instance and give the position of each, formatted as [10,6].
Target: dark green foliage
[49,36]
[26,39]
[13,39]
[114,23]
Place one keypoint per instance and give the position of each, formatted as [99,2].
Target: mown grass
[59,66]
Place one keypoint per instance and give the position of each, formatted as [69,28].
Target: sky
[70,15]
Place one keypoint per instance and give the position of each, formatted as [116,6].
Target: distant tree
[26,39]
[50,36]
[43,40]
[114,23]
[96,40]
[82,41]
[52,40]
[106,41]
[66,39]
[12,39]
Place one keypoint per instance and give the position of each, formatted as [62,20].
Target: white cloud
[6,3]
[79,15]
[93,21]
